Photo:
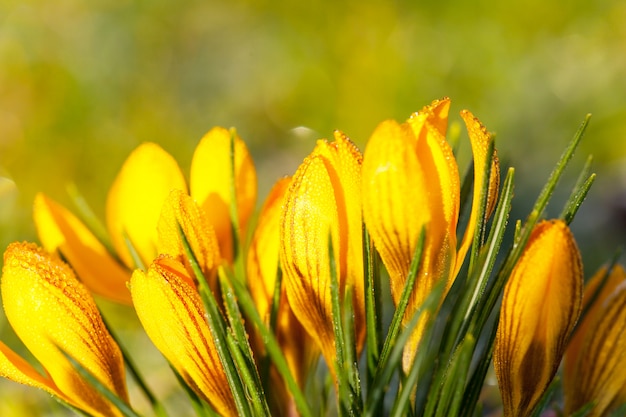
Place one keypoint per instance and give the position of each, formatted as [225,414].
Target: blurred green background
[83,83]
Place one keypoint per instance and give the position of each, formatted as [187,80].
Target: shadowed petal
[541,304]
[593,365]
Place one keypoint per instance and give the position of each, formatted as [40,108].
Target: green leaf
[103,390]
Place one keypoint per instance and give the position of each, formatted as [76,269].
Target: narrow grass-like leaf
[454,383]
[124,408]
[350,354]
[93,223]
[483,352]
[488,256]
[373,306]
[272,346]
[481,218]
[276,296]
[241,351]
[546,397]
[619,411]
[201,408]
[234,212]
[424,364]
[393,360]
[134,254]
[134,371]
[576,199]
[346,395]
[218,327]
[587,408]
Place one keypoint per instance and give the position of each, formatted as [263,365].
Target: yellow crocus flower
[134,206]
[51,312]
[323,204]
[593,366]
[541,304]
[262,268]
[411,181]
[171,312]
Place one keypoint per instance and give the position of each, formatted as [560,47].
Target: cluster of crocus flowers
[134,208]
[304,273]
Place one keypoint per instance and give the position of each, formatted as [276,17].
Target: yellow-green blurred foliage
[84,82]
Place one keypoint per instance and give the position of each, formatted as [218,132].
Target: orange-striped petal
[480,140]
[49,309]
[135,199]
[180,212]
[323,202]
[262,266]
[171,312]
[541,304]
[593,370]
[59,230]
[211,182]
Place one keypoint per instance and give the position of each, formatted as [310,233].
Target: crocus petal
[181,212]
[15,368]
[263,253]
[170,310]
[59,229]
[593,365]
[480,140]
[49,309]
[210,183]
[324,201]
[395,201]
[135,199]
[262,267]
[541,304]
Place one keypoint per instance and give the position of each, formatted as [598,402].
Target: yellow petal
[395,198]
[541,304]
[171,312]
[15,368]
[50,309]
[210,184]
[135,200]
[480,140]
[179,210]
[263,254]
[60,230]
[324,201]
[593,369]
